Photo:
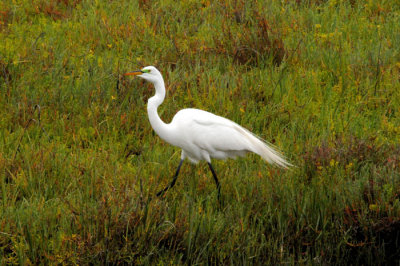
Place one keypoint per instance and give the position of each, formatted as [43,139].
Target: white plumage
[202,135]
[205,136]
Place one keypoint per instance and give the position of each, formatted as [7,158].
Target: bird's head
[148,73]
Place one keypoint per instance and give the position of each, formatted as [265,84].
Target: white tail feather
[264,149]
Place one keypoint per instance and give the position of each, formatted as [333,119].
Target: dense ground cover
[80,164]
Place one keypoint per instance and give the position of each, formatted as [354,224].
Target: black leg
[216,181]
[173,180]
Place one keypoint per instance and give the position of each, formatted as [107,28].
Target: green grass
[80,164]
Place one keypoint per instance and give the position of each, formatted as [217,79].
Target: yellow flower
[373,207]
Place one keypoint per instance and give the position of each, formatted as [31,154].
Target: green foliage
[80,164]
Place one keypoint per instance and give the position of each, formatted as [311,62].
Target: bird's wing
[217,134]
[213,132]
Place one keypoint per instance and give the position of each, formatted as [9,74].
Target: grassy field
[80,164]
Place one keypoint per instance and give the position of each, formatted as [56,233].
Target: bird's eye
[146,70]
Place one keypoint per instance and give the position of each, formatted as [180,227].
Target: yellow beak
[134,73]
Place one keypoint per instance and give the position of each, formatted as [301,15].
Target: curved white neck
[162,129]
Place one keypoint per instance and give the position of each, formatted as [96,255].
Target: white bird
[202,135]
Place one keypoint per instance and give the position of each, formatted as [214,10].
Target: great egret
[202,135]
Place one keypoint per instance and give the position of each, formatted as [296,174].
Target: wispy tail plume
[262,148]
